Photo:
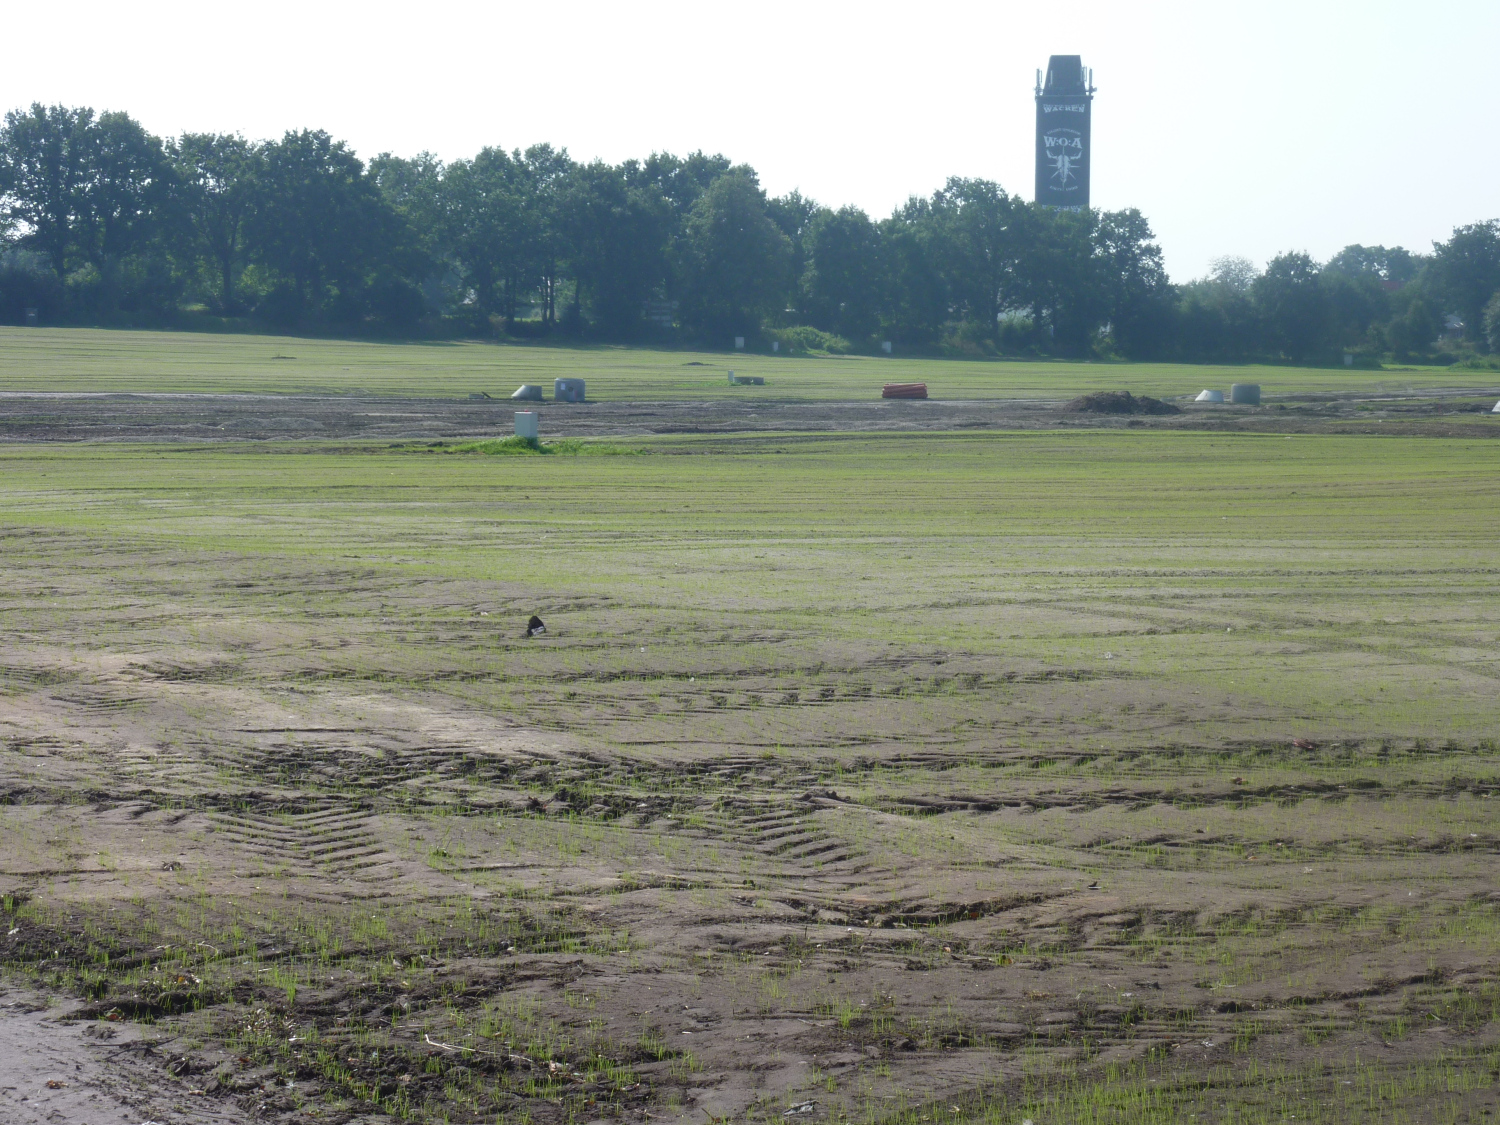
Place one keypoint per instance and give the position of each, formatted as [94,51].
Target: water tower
[1064,104]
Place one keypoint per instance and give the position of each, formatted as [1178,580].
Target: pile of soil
[1119,402]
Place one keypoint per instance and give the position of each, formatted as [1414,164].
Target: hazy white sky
[1237,127]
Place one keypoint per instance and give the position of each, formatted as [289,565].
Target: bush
[806,339]
[281,308]
[26,282]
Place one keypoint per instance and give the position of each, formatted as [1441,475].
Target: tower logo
[1063,149]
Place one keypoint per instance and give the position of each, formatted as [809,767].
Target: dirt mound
[1119,402]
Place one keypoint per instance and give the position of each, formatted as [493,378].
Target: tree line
[102,222]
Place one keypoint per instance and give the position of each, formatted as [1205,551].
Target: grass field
[1062,775]
[44,359]
[1344,584]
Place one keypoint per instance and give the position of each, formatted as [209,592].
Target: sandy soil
[744,943]
[54,1068]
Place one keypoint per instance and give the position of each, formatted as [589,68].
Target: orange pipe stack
[904,390]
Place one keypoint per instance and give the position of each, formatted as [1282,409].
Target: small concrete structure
[526,424]
[527,392]
[775,345]
[567,390]
[1209,396]
[1245,394]
[1496,410]
[739,343]
[746,380]
[885,346]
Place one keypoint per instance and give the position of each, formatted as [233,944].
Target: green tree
[842,285]
[1061,276]
[1140,299]
[215,185]
[414,190]
[1416,325]
[792,213]
[1293,306]
[682,180]
[916,299]
[615,222]
[1393,264]
[733,261]
[44,168]
[1466,272]
[1492,324]
[546,175]
[321,224]
[983,230]
[485,209]
[125,189]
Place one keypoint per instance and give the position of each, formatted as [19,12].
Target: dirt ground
[242,884]
[182,417]
[325,905]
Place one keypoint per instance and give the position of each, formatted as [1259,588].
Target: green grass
[513,446]
[99,360]
[1325,584]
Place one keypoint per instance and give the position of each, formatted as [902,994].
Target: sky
[1244,128]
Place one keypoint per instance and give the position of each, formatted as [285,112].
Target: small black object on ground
[1119,402]
[534,627]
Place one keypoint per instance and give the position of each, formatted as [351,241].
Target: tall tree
[547,171]
[916,301]
[792,213]
[1492,324]
[125,189]
[1293,305]
[615,222]
[1140,299]
[682,179]
[983,237]
[44,166]
[215,184]
[842,284]
[1062,276]
[733,261]
[485,208]
[319,221]
[1466,273]
[1393,264]
[414,190]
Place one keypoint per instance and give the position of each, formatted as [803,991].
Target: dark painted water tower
[1064,103]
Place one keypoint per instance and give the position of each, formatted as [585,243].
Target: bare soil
[209,417]
[482,918]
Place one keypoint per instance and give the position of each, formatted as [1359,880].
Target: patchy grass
[100,360]
[1114,776]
